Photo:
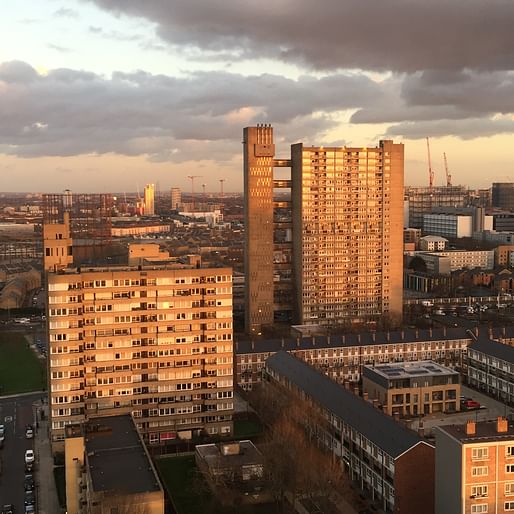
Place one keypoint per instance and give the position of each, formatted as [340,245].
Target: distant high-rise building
[149,200]
[503,195]
[176,198]
[345,260]
[422,200]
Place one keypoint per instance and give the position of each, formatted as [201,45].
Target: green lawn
[190,493]
[20,369]
[246,428]
[184,484]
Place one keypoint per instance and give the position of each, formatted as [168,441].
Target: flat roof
[410,369]
[117,458]
[485,431]
[392,437]
[247,454]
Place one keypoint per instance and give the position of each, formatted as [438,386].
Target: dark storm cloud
[399,35]
[68,112]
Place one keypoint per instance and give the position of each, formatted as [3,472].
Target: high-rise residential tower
[346,216]
[153,342]
[149,200]
[176,198]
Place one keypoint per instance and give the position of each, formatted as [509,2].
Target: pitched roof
[496,349]
[408,335]
[393,438]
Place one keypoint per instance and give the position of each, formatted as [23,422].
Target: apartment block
[474,468]
[491,367]
[412,388]
[433,244]
[347,212]
[109,470]
[155,342]
[176,199]
[453,260]
[392,463]
[331,251]
[342,357]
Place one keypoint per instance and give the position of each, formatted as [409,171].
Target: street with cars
[18,458]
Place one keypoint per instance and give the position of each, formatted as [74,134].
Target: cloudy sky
[107,95]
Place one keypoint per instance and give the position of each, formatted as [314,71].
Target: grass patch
[21,370]
[184,484]
[191,494]
[247,428]
[60,485]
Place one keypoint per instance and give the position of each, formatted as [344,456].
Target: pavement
[48,502]
[490,410]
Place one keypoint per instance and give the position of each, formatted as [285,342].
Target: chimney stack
[375,403]
[471,427]
[502,425]
[421,429]
[396,416]
[365,395]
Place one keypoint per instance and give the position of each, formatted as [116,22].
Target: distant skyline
[108,95]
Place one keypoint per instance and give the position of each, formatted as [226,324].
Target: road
[15,414]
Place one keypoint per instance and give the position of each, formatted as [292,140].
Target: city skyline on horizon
[110,93]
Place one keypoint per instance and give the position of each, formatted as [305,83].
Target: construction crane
[192,179]
[204,196]
[221,188]
[430,170]
[448,174]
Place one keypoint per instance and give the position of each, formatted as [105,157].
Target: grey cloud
[68,112]
[58,48]
[400,35]
[435,95]
[64,12]
[463,129]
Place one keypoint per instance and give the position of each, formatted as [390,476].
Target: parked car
[8,509]
[29,482]
[469,404]
[29,467]
[2,432]
[29,456]
[30,509]
[30,499]
[29,432]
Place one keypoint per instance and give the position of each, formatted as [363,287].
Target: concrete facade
[155,342]
[340,256]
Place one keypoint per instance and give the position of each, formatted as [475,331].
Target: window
[479,508]
[508,506]
[478,471]
[479,491]
[480,453]
[509,488]
[509,468]
[509,451]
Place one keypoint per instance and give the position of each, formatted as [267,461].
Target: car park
[29,456]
